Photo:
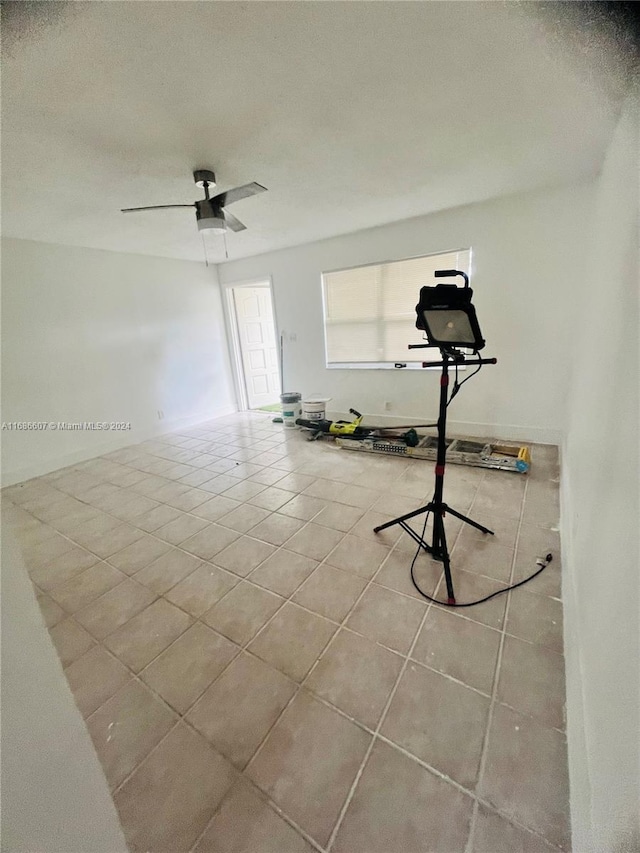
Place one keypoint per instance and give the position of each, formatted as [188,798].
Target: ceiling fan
[211,211]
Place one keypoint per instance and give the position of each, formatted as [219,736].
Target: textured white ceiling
[353,114]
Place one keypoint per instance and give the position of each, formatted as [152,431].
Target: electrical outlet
[387,406]
[293,337]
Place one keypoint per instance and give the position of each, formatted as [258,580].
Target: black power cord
[543,563]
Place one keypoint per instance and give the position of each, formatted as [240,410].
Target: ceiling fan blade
[233,223]
[230,196]
[153,207]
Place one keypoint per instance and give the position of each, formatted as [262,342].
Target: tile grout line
[381,720]
[496,679]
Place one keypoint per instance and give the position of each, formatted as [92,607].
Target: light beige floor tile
[357,496]
[71,640]
[198,592]
[126,728]
[283,572]
[246,824]
[505,530]
[396,574]
[400,806]
[210,541]
[180,528]
[534,542]
[243,555]
[138,555]
[296,482]
[268,476]
[113,540]
[364,529]
[532,681]
[188,501]
[168,570]
[359,556]
[303,507]
[357,676]
[459,647]
[219,484]
[62,568]
[156,518]
[94,678]
[536,618]
[244,470]
[272,498]
[484,557]
[184,670]
[387,617]
[293,640]
[392,506]
[339,517]
[52,613]
[132,507]
[493,834]
[114,608]
[321,488]
[45,553]
[242,612]
[468,587]
[215,508]
[244,517]
[276,529]
[238,710]
[330,592]
[243,490]
[86,587]
[439,721]
[142,638]
[309,734]
[314,541]
[184,780]
[526,774]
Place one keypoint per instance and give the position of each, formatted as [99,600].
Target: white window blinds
[369,312]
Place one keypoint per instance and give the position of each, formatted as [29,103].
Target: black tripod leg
[402,518]
[468,520]
[438,524]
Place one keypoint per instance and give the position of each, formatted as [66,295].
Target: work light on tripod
[447,316]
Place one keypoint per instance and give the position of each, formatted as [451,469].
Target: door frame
[231,321]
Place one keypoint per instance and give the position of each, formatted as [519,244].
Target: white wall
[528,262]
[600,513]
[55,798]
[89,335]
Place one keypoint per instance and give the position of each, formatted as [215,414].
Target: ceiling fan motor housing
[209,216]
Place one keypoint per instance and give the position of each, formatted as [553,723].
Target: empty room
[319,438]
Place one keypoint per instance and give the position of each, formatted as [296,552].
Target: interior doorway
[257,348]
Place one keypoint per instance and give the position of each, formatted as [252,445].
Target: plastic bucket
[291,409]
[314,408]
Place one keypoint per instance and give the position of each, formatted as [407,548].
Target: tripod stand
[438,547]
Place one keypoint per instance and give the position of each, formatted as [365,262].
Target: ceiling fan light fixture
[212,223]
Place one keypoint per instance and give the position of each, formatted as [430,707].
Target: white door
[257,335]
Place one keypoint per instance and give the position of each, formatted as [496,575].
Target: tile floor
[256,671]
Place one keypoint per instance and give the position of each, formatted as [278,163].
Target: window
[369,312]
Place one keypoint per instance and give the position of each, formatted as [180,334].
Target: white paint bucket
[314,408]
[291,409]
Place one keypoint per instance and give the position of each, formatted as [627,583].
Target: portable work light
[447,316]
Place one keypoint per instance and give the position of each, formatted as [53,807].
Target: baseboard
[114,441]
[504,432]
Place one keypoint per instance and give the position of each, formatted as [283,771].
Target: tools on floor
[461,451]
[355,430]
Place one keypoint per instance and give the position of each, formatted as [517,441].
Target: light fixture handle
[446,273]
